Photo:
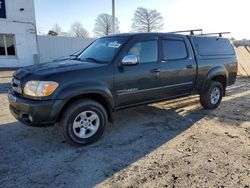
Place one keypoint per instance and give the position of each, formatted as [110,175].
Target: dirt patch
[168,144]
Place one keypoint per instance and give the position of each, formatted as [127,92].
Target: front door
[138,83]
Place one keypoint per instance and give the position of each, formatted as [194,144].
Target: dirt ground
[168,144]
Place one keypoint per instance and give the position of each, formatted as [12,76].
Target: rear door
[178,66]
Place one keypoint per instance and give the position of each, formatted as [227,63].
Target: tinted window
[174,49]
[213,46]
[146,51]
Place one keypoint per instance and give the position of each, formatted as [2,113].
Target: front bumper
[32,112]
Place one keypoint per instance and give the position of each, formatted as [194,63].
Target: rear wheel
[83,122]
[211,98]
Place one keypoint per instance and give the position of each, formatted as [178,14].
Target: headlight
[40,88]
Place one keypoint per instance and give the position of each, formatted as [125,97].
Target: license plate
[12,98]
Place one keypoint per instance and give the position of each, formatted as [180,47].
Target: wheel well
[222,80]
[96,97]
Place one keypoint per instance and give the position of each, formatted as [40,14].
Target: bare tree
[146,20]
[103,25]
[56,28]
[77,30]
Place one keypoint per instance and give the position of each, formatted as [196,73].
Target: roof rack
[220,33]
[191,31]
[185,31]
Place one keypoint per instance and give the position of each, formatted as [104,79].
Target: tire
[83,122]
[211,98]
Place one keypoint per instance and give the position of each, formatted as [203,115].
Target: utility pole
[113,16]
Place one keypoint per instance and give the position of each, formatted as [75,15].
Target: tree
[232,39]
[103,25]
[57,29]
[146,20]
[77,30]
[52,33]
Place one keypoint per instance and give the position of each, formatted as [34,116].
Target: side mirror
[130,60]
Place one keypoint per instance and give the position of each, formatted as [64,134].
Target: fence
[53,47]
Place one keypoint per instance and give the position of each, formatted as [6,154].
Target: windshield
[103,50]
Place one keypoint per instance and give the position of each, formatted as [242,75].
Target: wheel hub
[86,124]
[215,95]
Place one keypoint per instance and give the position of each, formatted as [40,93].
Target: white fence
[53,47]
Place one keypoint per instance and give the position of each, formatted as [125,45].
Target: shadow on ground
[40,157]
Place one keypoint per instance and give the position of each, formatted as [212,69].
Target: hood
[54,67]
[64,58]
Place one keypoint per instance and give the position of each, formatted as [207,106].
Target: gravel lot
[168,144]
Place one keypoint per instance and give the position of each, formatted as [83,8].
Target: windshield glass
[103,50]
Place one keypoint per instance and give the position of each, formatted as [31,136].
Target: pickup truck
[118,72]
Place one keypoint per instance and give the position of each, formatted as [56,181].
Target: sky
[210,15]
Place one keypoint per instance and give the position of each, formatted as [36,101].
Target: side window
[146,51]
[2,45]
[10,45]
[174,49]
[213,46]
[7,45]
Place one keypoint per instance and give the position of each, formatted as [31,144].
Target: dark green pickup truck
[118,72]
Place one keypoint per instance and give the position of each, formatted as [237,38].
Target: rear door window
[174,49]
[208,46]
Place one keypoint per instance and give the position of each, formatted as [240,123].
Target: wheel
[83,122]
[211,98]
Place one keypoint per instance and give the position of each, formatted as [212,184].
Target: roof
[145,34]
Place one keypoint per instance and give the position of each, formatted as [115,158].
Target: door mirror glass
[129,60]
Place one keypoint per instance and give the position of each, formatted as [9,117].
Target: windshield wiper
[93,59]
[75,58]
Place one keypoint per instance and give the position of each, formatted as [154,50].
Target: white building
[18,39]
[19,44]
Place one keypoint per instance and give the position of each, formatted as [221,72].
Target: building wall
[23,25]
[51,47]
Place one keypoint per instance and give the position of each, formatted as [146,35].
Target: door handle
[190,66]
[155,71]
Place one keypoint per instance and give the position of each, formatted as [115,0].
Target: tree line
[144,20]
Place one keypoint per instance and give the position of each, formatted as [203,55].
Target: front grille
[16,85]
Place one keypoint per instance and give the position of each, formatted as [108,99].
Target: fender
[75,90]
[213,72]
[66,94]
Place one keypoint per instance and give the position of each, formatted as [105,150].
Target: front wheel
[211,98]
[83,122]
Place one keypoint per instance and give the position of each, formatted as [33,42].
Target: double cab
[118,72]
